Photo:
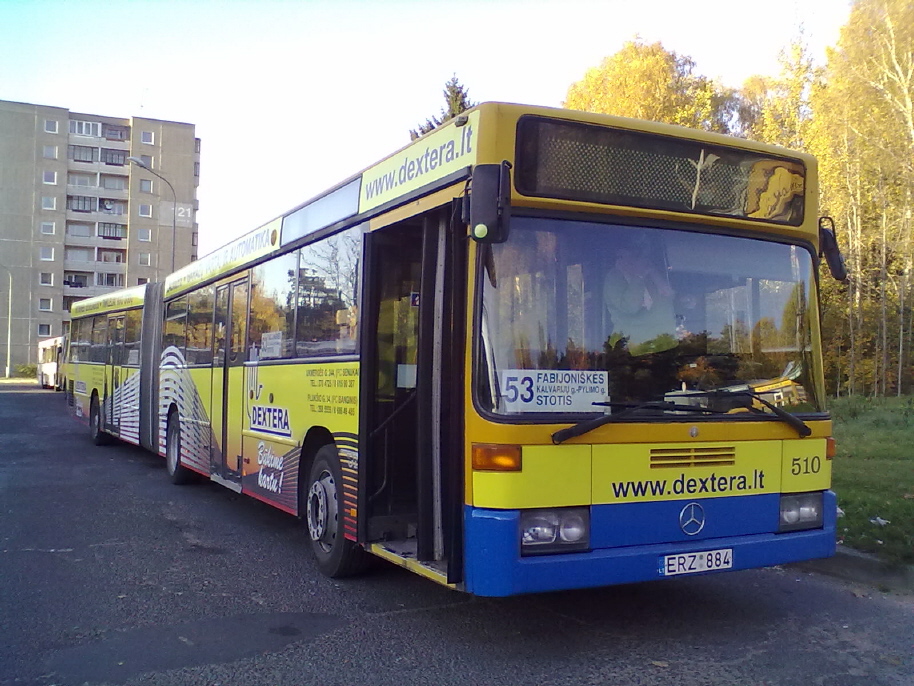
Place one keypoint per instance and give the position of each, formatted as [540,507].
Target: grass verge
[873,475]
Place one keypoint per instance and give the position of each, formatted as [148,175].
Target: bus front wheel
[178,473]
[336,556]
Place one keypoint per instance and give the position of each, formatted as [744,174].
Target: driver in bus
[639,300]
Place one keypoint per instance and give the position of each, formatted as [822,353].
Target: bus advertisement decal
[432,157]
[275,477]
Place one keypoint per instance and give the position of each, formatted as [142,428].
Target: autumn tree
[649,82]
[777,109]
[456,100]
[863,134]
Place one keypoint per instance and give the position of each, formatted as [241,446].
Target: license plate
[693,563]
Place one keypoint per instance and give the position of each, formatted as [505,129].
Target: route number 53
[519,389]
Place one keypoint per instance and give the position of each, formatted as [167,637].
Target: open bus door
[411,405]
[114,368]
[229,354]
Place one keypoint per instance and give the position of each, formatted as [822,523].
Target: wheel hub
[321,511]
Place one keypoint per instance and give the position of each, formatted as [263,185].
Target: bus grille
[683,457]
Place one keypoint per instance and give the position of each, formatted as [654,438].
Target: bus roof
[439,158]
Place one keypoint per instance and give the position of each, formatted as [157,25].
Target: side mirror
[828,247]
[490,202]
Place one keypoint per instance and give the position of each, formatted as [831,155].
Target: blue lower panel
[494,566]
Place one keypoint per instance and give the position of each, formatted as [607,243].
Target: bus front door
[229,354]
[114,368]
[408,409]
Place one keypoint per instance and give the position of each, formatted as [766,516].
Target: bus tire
[178,473]
[96,432]
[336,556]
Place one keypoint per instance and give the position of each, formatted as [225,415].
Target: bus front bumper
[495,567]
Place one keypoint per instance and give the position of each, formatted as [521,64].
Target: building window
[86,128]
[145,259]
[147,137]
[144,235]
[82,153]
[79,230]
[115,133]
[145,210]
[49,178]
[145,185]
[141,280]
[81,180]
[50,152]
[109,206]
[44,329]
[111,255]
[46,254]
[111,230]
[196,145]
[115,280]
[79,254]
[50,126]
[82,203]
[75,279]
[48,228]
[193,238]
[46,279]
[115,157]
[114,183]
[196,169]
[44,304]
[48,202]
[147,160]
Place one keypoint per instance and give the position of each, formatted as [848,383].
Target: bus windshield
[578,317]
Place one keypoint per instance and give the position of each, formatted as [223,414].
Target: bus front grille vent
[680,458]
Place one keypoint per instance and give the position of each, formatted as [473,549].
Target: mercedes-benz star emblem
[692,519]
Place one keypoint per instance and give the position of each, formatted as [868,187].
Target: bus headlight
[559,530]
[800,511]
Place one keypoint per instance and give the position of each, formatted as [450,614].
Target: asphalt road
[110,574]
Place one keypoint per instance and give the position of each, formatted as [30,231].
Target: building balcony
[110,267]
[97,216]
[85,291]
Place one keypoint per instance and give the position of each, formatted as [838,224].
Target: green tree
[649,82]
[456,100]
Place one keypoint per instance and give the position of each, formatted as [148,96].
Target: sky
[290,97]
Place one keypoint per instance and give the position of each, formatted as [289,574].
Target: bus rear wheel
[178,473]
[336,555]
[96,433]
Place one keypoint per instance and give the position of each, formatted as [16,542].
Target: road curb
[864,568]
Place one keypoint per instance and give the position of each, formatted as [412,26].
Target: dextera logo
[692,519]
[271,420]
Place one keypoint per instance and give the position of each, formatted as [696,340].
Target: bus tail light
[831,448]
[800,511]
[559,530]
[491,457]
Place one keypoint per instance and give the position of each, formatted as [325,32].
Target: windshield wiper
[801,427]
[745,398]
[588,425]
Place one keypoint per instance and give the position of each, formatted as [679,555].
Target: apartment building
[88,204]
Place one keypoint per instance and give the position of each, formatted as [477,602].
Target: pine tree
[457,100]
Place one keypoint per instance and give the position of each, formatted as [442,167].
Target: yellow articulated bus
[534,350]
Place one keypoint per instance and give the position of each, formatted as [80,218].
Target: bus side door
[113,371]
[229,355]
